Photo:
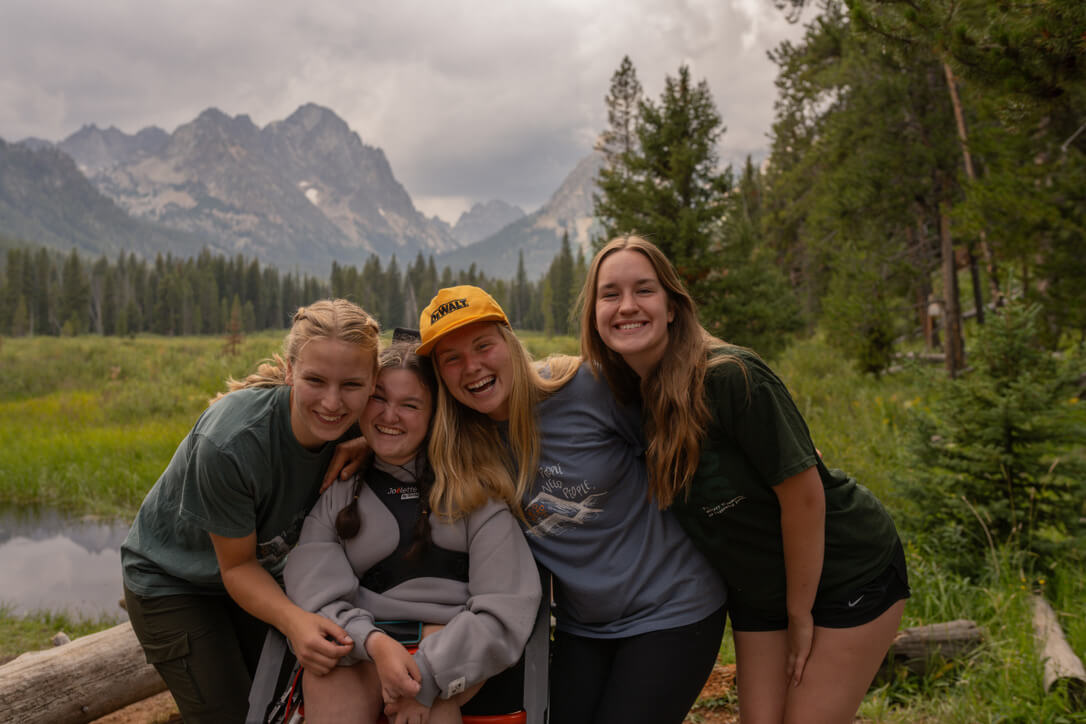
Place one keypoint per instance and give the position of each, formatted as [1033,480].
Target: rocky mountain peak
[95,150]
[484,219]
[312,116]
[302,188]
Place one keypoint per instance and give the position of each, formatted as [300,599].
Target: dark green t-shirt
[239,470]
[757,439]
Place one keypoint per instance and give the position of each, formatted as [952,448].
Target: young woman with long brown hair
[639,612]
[211,537]
[815,570]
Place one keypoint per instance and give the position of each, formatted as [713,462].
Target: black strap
[432,562]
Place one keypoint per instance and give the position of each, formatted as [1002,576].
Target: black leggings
[652,678]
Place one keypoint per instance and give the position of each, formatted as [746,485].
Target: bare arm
[803,529]
[396,668]
[256,591]
[346,461]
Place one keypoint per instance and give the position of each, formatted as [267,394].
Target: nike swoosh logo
[852,604]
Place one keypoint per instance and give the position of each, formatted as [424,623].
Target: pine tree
[754,305]
[547,291]
[671,190]
[994,458]
[522,294]
[619,141]
[234,327]
[560,277]
[580,272]
[75,294]
[20,321]
[618,144]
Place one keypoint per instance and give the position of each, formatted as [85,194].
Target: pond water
[54,561]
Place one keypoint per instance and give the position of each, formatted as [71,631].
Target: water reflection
[53,561]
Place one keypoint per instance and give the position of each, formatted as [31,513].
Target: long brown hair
[324,319]
[400,355]
[466,445]
[673,395]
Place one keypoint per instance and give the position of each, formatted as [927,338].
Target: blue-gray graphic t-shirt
[623,566]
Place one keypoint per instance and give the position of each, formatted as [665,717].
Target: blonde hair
[676,415]
[466,448]
[324,319]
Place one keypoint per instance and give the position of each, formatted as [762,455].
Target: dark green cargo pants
[205,647]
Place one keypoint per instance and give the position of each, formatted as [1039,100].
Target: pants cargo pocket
[170,658]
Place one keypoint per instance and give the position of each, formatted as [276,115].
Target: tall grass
[89,423]
[36,630]
[855,419]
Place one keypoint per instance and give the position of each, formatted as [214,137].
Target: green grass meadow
[88,424]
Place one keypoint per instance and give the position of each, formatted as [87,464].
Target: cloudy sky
[470,100]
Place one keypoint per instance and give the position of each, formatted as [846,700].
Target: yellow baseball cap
[451,309]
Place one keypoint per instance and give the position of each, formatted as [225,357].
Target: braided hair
[400,355]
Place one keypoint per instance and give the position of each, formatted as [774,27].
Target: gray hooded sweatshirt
[487,620]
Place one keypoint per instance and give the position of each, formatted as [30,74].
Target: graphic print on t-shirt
[558,505]
[271,552]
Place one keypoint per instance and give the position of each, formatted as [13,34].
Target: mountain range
[297,193]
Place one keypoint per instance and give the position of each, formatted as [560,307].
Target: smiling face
[632,309]
[330,381]
[475,365]
[397,417]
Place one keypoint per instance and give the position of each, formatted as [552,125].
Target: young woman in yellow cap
[815,571]
[639,612]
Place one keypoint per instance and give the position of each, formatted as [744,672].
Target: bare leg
[760,660]
[839,671]
[843,662]
[347,694]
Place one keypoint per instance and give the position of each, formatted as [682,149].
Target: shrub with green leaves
[998,452]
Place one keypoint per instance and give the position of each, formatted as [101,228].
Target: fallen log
[914,648]
[1061,665]
[78,682]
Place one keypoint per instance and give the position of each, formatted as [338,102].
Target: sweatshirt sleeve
[319,577]
[489,635]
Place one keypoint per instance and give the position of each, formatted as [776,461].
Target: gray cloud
[471,100]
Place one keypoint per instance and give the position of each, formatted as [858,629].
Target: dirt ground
[716,705]
[717,702]
[158,709]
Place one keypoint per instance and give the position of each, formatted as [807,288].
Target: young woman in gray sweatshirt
[389,545]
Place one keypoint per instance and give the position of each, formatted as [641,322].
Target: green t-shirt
[757,439]
[240,469]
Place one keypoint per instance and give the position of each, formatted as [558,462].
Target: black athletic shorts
[860,606]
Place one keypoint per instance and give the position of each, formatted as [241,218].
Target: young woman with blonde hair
[815,570]
[209,541]
[639,612]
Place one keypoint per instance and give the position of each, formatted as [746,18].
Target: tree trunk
[79,682]
[952,311]
[985,250]
[1060,662]
[915,647]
